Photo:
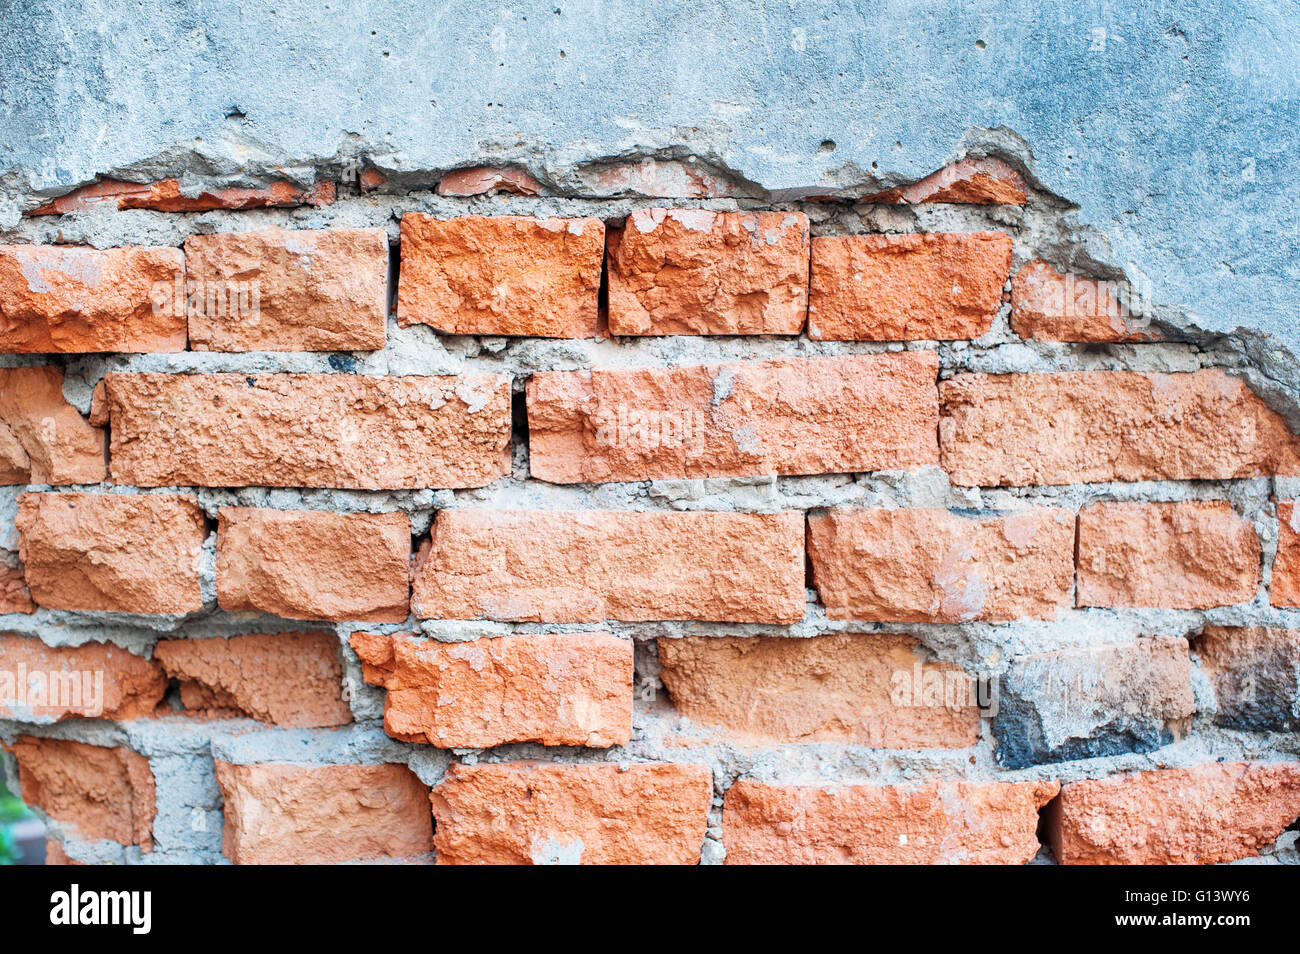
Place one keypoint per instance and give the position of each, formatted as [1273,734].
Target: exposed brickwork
[1052,306]
[588,566]
[91,681]
[920,565]
[588,814]
[43,440]
[933,823]
[796,416]
[556,689]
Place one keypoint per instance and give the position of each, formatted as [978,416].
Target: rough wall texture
[747,491]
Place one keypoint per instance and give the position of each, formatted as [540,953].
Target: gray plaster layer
[1170,124]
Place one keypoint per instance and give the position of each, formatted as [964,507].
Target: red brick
[15,597]
[305,564]
[929,823]
[98,792]
[1086,426]
[94,680]
[508,275]
[524,813]
[1206,814]
[1190,555]
[168,195]
[43,440]
[308,430]
[74,300]
[132,553]
[556,689]
[297,814]
[842,687]
[791,416]
[1051,306]
[922,565]
[593,565]
[279,290]
[693,272]
[983,181]
[1284,589]
[655,178]
[482,180]
[285,679]
[907,287]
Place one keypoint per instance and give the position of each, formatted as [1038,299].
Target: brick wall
[484,525]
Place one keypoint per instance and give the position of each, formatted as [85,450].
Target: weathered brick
[285,679]
[556,689]
[922,565]
[481,180]
[94,680]
[1255,672]
[792,416]
[930,823]
[1051,306]
[866,689]
[1284,587]
[655,178]
[136,553]
[43,440]
[15,597]
[324,814]
[56,855]
[305,564]
[287,290]
[1093,701]
[73,300]
[507,275]
[1206,814]
[907,287]
[693,272]
[98,792]
[168,195]
[1188,555]
[593,565]
[983,181]
[1085,426]
[308,430]
[528,813]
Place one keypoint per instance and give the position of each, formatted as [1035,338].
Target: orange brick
[843,687]
[43,440]
[297,814]
[1085,426]
[1207,814]
[304,564]
[101,793]
[167,195]
[922,565]
[285,679]
[508,275]
[983,181]
[92,681]
[278,290]
[1284,590]
[136,553]
[308,430]
[656,178]
[1190,555]
[931,823]
[593,565]
[907,287]
[792,416]
[72,300]
[481,180]
[556,689]
[1051,306]
[15,597]
[696,272]
[524,813]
